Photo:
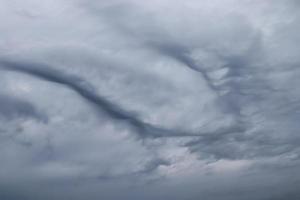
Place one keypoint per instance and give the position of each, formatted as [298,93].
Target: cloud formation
[130,99]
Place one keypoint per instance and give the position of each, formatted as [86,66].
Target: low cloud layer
[130,99]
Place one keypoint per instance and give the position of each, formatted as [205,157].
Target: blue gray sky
[161,99]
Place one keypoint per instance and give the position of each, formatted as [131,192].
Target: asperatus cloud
[150,100]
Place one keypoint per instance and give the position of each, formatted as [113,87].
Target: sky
[161,99]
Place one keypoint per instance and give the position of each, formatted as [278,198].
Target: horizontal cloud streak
[85,90]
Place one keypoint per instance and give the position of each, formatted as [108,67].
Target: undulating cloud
[128,99]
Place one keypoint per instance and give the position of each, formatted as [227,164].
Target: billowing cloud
[130,99]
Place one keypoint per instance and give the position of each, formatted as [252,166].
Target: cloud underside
[171,99]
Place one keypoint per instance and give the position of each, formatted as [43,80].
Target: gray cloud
[85,90]
[15,108]
[154,100]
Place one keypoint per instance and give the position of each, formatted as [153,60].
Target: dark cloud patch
[11,108]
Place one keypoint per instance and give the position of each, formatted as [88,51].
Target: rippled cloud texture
[161,99]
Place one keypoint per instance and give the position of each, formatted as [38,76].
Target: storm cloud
[128,99]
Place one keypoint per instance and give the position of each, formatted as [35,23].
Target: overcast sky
[160,99]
